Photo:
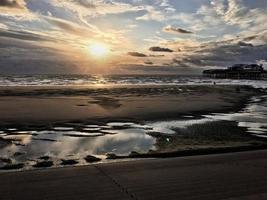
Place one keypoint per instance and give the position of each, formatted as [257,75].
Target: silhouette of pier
[238,71]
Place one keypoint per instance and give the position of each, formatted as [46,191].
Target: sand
[44,105]
[71,125]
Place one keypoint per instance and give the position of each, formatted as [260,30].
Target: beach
[52,126]
[133,99]
[33,104]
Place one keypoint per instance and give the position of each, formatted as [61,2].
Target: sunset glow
[130,36]
[98,50]
[88,84]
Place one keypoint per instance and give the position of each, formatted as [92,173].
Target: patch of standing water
[167,127]
[121,138]
[253,117]
[62,143]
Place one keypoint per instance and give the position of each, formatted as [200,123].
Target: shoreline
[99,102]
[225,99]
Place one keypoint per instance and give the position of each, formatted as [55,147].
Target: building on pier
[238,71]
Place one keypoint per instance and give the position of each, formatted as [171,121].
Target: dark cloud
[156,56]
[148,62]
[38,66]
[84,3]
[23,35]
[159,69]
[178,63]
[7,43]
[21,56]
[10,3]
[160,49]
[170,29]
[222,56]
[137,54]
[224,53]
[244,44]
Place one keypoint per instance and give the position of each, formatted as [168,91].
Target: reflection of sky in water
[167,126]
[253,117]
[119,138]
[76,145]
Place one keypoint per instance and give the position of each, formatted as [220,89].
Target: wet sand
[57,126]
[46,105]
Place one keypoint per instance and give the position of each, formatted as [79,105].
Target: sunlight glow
[98,50]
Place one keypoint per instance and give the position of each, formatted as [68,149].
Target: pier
[238,71]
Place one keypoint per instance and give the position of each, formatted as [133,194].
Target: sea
[81,80]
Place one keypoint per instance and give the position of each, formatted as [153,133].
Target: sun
[98,50]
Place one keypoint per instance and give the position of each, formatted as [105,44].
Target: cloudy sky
[132,36]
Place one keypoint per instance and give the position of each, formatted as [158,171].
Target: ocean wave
[81,80]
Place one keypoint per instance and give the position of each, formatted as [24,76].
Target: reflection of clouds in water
[254,127]
[253,117]
[121,143]
[167,126]
[123,138]
[9,150]
[22,139]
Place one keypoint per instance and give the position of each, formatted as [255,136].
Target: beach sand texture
[59,104]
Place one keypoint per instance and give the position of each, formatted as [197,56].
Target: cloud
[224,17]
[244,44]
[145,68]
[40,66]
[26,56]
[159,10]
[137,54]
[173,30]
[148,63]
[12,3]
[68,26]
[23,35]
[13,11]
[152,14]
[227,32]
[88,8]
[3,26]
[85,3]
[223,53]
[158,69]
[160,49]
[156,56]
[36,55]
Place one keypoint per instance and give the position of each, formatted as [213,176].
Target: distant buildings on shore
[238,71]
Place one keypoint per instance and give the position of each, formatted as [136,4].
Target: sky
[130,36]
